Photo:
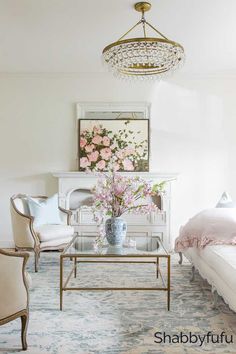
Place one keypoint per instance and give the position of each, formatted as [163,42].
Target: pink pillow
[209,227]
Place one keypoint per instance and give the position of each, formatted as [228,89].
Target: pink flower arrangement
[115,195]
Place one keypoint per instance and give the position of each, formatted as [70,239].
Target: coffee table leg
[75,267]
[61,282]
[157,265]
[168,283]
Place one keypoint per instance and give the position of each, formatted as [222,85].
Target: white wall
[191,134]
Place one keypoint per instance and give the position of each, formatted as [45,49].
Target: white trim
[151,175]
[83,107]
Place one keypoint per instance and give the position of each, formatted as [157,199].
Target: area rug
[128,322]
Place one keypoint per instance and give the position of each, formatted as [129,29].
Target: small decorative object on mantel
[122,143]
[113,196]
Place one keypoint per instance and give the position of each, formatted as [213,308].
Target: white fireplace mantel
[148,175]
[150,226]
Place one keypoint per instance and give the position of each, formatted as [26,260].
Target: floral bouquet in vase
[116,195]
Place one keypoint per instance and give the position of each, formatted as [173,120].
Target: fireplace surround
[74,194]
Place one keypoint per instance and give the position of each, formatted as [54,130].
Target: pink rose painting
[114,144]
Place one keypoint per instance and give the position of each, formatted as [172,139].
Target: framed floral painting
[118,144]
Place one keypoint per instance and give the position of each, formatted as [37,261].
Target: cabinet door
[133,219]
[158,218]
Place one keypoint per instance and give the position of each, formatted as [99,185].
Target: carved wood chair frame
[36,248]
[23,314]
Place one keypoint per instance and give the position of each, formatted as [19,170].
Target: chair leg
[24,325]
[180,258]
[192,274]
[36,260]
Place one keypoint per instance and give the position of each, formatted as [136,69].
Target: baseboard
[6,244]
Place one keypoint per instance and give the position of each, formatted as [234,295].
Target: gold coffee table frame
[83,257]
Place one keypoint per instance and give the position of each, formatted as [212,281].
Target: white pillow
[225,201]
[45,211]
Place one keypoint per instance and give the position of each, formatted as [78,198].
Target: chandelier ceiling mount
[142,6]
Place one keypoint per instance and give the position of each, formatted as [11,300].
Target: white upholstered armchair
[14,299]
[31,237]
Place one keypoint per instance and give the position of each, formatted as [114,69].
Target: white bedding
[217,264]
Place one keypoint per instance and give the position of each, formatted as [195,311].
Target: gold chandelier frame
[138,69]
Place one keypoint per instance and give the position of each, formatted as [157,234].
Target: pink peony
[129,151]
[97,139]
[83,142]
[83,132]
[93,156]
[128,165]
[97,130]
[106,153]
[89,148]
[101,165]
[120,154]
[106,141]
[116,166]
[84,162]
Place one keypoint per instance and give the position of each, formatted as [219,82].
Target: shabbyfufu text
[198,339]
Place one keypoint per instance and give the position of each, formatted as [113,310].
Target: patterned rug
[118,322]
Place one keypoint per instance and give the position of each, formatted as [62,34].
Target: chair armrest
[12,253]
[14,295]
[23,231]
[68,214]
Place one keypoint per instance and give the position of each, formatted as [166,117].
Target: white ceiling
[53,36]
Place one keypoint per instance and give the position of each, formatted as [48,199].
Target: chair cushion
[53,232]
[56,244]
[45,211]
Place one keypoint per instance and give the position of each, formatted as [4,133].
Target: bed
[208,241]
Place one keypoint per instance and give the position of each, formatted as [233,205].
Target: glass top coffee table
[109,254]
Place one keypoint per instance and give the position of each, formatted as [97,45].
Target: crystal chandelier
[144,57]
